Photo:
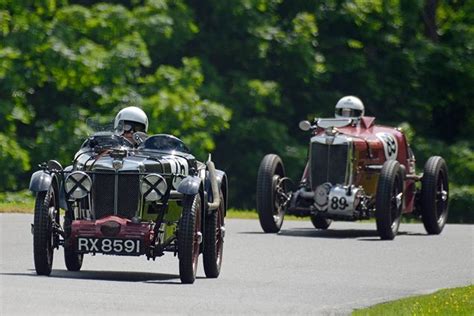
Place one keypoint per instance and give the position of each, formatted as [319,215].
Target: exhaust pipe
[216,201]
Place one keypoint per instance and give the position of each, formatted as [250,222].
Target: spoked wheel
[434,195]
[214,241]
[389,200]
[272,193]
[189,238]
[320,222]
[44,237]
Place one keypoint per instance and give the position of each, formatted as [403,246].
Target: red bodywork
[113,227]
[369,151]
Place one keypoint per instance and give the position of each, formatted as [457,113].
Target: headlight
[78,184]
[153,187]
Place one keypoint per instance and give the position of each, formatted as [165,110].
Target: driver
[349,107]
[129,121]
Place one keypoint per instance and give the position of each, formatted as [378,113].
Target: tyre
[389,200]
[270,206]
[320,222]
[43,235]
[72,259]
[434,195]
[214,241]
[189,238]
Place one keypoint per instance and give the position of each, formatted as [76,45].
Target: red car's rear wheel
[434,195]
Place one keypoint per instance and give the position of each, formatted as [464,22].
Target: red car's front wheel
[270,193]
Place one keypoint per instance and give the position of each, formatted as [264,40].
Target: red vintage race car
[355,170]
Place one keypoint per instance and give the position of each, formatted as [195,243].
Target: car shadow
[359,234]
[114,276]
[330,233]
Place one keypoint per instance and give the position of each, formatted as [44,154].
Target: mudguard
[40,181]
[189,185]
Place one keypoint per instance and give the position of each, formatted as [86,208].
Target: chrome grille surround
[331,160]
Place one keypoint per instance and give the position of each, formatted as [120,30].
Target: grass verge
[252,214]
[456,301]
[24,202]
[17,202]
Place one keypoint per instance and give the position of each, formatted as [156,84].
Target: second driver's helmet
[131,119]
[349,107]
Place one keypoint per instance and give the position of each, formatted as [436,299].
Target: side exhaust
[216,201]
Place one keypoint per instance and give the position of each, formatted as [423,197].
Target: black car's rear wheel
[214,241]
[320,222]
[434,195]
[189,238]
[44,237]
[389,200]
[271,193]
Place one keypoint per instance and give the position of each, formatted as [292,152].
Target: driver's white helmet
[129,118]
[349,107]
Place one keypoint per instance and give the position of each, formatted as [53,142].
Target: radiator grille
[328,164]
[128,195]
[103,196]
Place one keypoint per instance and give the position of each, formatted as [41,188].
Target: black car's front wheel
[214,241]
[72,259]
[389,200]
[43,231]
[189,238]
[271,193]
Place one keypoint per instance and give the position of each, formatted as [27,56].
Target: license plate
[113,246]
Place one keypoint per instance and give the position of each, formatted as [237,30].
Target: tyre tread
[433,166]
[383,197]
[265,205]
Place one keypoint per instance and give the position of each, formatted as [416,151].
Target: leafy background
[235,77]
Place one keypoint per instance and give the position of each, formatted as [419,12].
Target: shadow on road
[117,276]
[359,234]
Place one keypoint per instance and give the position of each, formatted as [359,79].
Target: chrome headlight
[153,187]
[78,184]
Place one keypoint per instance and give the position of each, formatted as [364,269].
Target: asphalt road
[299,271]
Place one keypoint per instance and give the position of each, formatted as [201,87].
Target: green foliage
[62,63]
[12,157]
[459,157]
[461,206]
[233,77]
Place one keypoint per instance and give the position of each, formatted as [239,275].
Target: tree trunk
[429,19]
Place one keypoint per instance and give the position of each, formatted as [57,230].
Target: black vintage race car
[127,200]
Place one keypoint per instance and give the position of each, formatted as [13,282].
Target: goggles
[130,127]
